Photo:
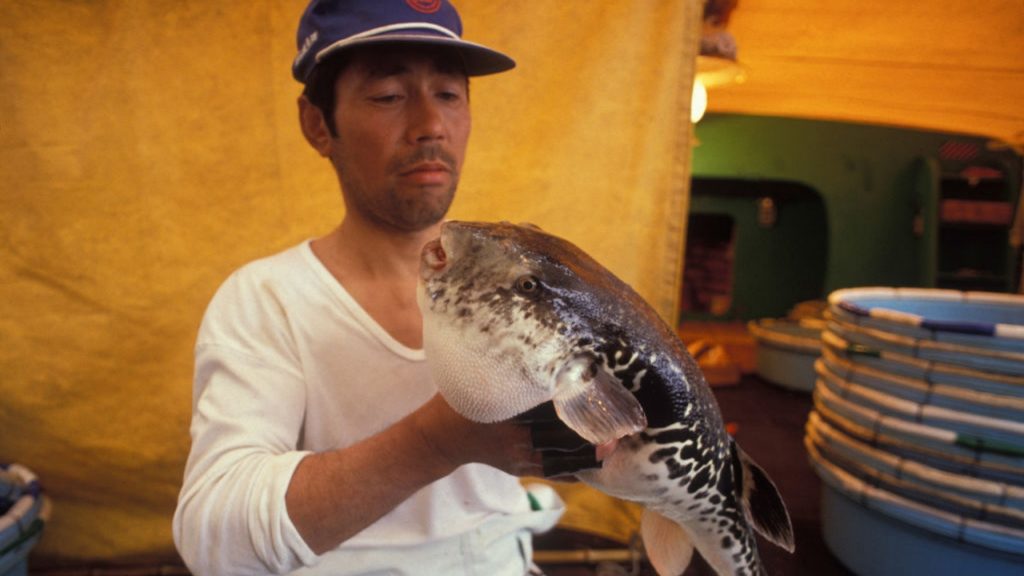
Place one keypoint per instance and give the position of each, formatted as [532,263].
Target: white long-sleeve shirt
[287,363]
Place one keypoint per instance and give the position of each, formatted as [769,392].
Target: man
[319,442]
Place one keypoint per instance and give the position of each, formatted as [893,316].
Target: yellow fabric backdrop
[151,147]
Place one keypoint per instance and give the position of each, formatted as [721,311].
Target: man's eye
[386,98]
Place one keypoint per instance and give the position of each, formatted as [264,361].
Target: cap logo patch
[424,6]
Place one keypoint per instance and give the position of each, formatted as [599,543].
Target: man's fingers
[556,437]
[562,463]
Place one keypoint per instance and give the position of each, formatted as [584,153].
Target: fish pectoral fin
[668,546]
[762,503]
[595,404]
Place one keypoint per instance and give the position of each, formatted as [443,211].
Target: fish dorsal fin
[595,404]
[762,503]
[668,546]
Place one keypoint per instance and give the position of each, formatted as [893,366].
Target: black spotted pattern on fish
[663,453]
[640,373]
[706,473]
[699,480]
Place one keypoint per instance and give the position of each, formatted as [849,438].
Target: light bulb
[699,102]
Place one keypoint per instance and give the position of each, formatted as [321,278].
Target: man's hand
[335,494]
[563,451]
[457,440]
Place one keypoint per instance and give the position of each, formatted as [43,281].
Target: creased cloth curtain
[149,148]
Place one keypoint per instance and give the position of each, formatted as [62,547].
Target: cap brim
[479,60]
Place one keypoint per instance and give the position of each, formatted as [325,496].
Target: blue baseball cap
[330,26]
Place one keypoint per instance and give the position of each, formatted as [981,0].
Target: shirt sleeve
[247,414]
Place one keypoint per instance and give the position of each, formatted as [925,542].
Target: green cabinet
[966,222]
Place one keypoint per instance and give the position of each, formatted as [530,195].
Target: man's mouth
[427,173]
[430,160]
[429,167]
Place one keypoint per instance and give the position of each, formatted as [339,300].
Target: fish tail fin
[762,503]
[668,546]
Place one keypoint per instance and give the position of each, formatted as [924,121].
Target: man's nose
[427,121]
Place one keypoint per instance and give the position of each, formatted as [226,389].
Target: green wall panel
[869,178]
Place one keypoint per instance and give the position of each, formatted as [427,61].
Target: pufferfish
[514,318]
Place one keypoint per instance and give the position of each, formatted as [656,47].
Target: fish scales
[515,318]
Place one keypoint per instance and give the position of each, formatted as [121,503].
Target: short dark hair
[319,89]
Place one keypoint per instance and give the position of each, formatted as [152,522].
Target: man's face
[403,123]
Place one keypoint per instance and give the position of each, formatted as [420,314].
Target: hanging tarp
[949,66]
[150,148]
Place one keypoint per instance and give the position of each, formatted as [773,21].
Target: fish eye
[527,284]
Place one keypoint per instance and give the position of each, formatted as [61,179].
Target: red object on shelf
[976,212]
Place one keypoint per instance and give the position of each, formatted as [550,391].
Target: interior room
[818,204]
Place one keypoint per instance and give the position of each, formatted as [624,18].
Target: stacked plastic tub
[788,347]
[24,512]
[917,431]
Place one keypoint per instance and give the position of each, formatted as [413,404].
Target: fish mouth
[433,259]
[436,256]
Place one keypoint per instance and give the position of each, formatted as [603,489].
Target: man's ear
[314,126]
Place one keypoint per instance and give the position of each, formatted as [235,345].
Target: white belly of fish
[486,379]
